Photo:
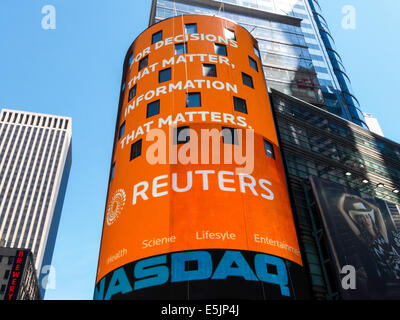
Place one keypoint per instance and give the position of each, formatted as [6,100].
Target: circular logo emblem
[115,206]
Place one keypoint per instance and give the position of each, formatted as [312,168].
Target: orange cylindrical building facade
[197,204]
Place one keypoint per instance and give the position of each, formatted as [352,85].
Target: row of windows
[182,48]
[325,146]
[182,136]
[275,35]
[193,99]
[12,163]
[30,171]
[279,60]
[192,28]
[189,28]
[167,9]
[209,70]
[29,119]
[281,48]
[344,131]
[267,5]
[301,168]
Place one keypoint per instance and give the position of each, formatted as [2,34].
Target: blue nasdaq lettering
[151,268]
[178,263]
[154,271]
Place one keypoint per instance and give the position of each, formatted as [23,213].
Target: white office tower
[373,124]
[35,160]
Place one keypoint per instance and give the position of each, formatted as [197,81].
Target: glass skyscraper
[295,46]
[320,145]
[35,160]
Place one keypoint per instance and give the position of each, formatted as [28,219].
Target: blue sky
[75,70]
[370,54]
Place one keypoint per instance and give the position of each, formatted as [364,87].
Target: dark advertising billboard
[364,238]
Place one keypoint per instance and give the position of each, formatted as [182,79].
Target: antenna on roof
[221,6]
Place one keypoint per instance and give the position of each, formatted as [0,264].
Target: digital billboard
[197,203]
[363,236]
[16,273]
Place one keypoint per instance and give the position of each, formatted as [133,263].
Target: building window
[230,34]
[153,108]
[193,99]
[164,75]
[191,28]
[156,37]
[10,260]
[253,63]
[143,62]
[130,60]
[269,149]
[121,130]
[112,171]
[247,80]
[136,149]
[180,48]
[3,289]
[181,135]
[240,104]
[132,93]
[6,274]
[229,136]
[257,52]
[209,70]
[220,49]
